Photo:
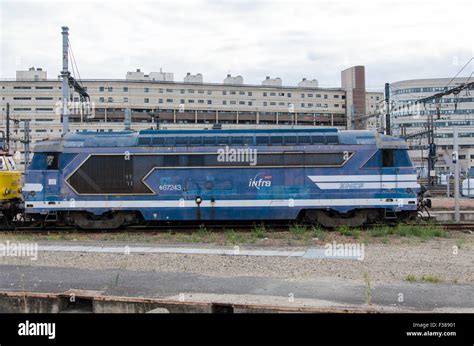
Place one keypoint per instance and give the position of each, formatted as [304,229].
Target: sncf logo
[260,180]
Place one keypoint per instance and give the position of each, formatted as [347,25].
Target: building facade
[455,110]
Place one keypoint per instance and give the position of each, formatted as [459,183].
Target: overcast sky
[395,40]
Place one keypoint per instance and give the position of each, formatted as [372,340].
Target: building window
[209,92]
[265,103]
[110,89]
[182,91]
[200,101]
[125,99]
[125,89]
[182,101]
[191,91]
[250,93]
[241,102]
[209,102]
[325,96]
[147,90]
[101,88]
[146,100]
[200,91]
[264,94]
[241,92]
[160,90]
[233,102]
[336,96]
[272,94]
[169,90]
[224,92]
[232,92]
[190,101]
[160,100]
[224,102]
[169,100]
[101,99]
[281,94]
[272,103]
[302,96]
[110,99]
[250,103]
[337,105]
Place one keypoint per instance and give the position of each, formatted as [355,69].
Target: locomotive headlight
[198,200]
[7,191]
[32,193]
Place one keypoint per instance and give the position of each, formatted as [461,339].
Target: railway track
[242,227]
[463,227]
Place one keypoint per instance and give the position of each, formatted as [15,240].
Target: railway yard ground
[397,268]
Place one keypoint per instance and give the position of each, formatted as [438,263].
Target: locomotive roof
[132,138]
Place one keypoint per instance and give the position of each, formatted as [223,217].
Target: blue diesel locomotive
[106,180]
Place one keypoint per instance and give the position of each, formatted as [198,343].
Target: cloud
[292,39]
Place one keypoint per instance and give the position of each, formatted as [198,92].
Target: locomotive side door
[389,170]
[51,175]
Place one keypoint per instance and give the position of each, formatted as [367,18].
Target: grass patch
[349,231]
[232,237]
[317,232]
[344,230]
[431,278]
[407,230]
[259,231]
[297,229]
[424,278]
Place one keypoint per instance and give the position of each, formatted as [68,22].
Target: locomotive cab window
[387,158]
[52,161]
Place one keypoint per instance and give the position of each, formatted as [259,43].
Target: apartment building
[409,118]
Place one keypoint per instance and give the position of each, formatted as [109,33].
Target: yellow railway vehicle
[10,187]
